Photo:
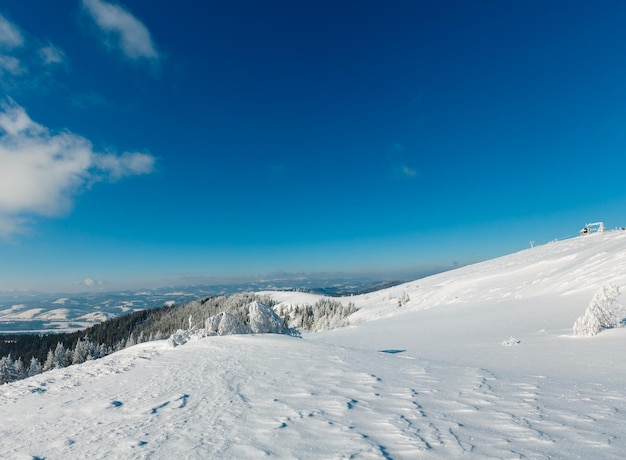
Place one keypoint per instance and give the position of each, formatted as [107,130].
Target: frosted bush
[601,313]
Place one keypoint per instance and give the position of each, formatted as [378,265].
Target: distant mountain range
[33,312]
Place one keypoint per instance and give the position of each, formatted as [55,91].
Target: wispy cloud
[50,54]
[396,155]
[409,172]
[121,29]
[10,35]
[23,58]
[42,171]
[10,38]
[10,65]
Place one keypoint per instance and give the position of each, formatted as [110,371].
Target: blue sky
[145,143]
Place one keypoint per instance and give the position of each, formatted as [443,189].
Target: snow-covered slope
[438,377]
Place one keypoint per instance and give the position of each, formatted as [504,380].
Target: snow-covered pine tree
[49,362]
[35,367]
[78,355]
[19,370]
[60,356]
[6,369]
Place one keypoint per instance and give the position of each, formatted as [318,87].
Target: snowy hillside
[478,362]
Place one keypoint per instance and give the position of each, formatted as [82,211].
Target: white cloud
[127,164]
[17,63]
[10,64]
[51,55]
[42,171]
[118,24]
[10,35]
[10,38]
[90,282]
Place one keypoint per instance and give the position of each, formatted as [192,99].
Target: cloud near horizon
[90,282]
[121,29]
[42,172]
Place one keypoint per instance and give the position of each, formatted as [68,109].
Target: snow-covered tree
[78,355]
[60,356]
[225,323]
[6,369]
[19,370]
[601,313]
[325,314]
[35,367]
[263,320]
[49,362]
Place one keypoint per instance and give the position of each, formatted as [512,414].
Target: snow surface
[479,362]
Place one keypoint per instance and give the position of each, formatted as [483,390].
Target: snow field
[480,362]
[257,396]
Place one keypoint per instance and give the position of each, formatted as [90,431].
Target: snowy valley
[480,362]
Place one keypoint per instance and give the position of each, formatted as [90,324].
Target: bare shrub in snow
[404,299]
[601,313]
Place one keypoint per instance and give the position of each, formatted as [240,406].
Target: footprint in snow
[183,402]
[156,409]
